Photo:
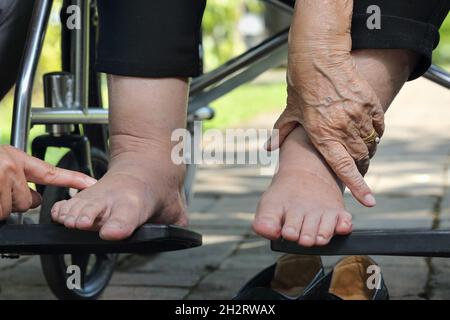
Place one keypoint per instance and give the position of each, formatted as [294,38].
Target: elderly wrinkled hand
[17,169]
[326,95]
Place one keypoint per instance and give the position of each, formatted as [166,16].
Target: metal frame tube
[69,116]
[240,62]
[439,76]
[25,79]
[80,57]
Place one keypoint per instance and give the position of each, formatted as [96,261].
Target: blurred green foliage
[221,39]
[441,55]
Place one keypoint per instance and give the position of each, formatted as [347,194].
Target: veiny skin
[326,94]
[334,98]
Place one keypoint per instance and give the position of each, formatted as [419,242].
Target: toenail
[321,238]
[84,219]
[306,238]
[69,218]
[289,230]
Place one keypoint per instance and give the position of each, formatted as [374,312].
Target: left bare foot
[304,202]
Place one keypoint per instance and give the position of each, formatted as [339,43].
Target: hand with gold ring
[372,141]
[336,106]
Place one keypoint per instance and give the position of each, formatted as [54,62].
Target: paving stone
[222,284]
[440,278]
[407,175]
[227,212]
[197,260]
[200,204]
[24,292]
[393,213]
[23,274]
[6,263]
[405,281]
[231,180]
[246,261]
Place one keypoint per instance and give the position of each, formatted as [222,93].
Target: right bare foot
[139,187]
[304,202]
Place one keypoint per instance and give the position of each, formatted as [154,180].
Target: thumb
[279,134]
[36,199]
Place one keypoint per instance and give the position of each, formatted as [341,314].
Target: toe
[74,212]
[344,223]
[64,210]
[121,223]
[309,229]
[55,211]
[267,221]
[326,228]
[292,225]
[88,214]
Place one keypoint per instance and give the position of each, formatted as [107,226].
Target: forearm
[321,26]
[319,49]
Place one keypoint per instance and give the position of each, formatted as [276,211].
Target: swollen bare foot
[304,202]
[138,188]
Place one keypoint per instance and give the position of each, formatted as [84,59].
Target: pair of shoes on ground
[298,277]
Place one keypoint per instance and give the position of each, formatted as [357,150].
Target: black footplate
[37,239]
[416,243]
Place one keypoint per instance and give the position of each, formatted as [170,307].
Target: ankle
[299,156]
[143,157]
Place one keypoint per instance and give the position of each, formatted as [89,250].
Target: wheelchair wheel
[95,269]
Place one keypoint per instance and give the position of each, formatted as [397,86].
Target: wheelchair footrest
[419,243]
[56,239]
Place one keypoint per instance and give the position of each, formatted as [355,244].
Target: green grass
[246,102]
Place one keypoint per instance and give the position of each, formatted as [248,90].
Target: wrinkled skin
[326,94]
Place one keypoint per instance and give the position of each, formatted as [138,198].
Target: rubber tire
[54,266]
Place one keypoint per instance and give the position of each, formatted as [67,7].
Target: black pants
[14,20]
[160,38]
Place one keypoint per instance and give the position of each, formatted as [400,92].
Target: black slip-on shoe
[287,279]
[352,278]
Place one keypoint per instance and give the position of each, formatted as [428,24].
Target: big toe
[116,230]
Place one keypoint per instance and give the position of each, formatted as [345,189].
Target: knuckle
[361,157]
[51,172]
[7,148]
[7,165]
[343,166]
[359,184]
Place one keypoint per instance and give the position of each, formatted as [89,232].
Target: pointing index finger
[41,172]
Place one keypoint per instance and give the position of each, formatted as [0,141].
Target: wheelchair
[75,118]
